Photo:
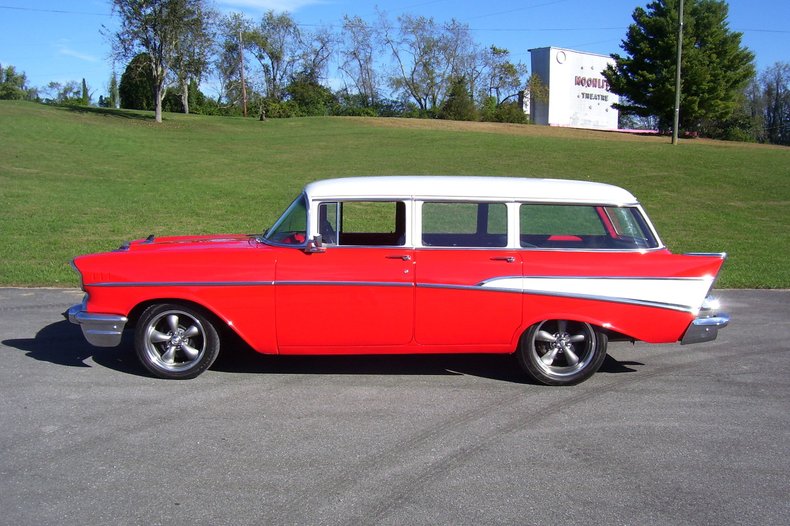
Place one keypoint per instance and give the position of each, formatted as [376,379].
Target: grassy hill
[81,180]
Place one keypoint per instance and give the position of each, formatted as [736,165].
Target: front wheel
[175,341]
[561,352]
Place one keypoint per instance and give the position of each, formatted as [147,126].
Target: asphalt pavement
[663,434]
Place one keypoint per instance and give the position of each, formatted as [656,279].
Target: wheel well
[138,310]
[611,335]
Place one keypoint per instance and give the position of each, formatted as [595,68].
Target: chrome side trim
[101,330]
[184,284]
[347,283]
[634,278]
[478,288]
[722,255]
[253,283]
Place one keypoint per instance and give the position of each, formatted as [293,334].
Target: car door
[464,248]
[357,295]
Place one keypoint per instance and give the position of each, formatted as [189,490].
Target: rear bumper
[705,329]
[101,330]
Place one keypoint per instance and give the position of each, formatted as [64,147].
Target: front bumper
[101,330]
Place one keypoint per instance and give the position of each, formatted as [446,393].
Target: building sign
[579,95]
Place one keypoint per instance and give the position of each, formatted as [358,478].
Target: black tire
[175,341]
[561,352]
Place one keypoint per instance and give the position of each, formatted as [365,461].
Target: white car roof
[430,187]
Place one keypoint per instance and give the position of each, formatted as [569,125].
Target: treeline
[412,67]
[181,56]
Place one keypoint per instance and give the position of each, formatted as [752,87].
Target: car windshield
[291,228]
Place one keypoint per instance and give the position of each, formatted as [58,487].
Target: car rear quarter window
[583,227]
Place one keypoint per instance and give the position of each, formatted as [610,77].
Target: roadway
[661,435]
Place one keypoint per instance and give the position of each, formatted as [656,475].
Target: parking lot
[664,434]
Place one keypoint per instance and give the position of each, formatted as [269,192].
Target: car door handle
[404,257]
[509,259]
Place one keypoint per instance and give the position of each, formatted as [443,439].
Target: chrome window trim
[413,232]
[314,204]
[636,206]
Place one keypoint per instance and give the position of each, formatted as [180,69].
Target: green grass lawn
[76,181]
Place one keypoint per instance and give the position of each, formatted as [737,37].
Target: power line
[56,11]
[514,30]
[533,6]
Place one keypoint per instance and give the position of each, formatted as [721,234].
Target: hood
[186,242]
[174,259]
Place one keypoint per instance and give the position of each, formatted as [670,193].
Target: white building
[578,94]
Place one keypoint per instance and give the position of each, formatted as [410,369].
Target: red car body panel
[379,300]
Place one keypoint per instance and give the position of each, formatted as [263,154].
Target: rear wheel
[562,352]
[175,341]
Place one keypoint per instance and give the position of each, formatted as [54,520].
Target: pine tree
[715,67]
[85,99]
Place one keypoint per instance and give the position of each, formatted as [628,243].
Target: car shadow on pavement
[498,367]
[62,343]
[238,358]
[611,365]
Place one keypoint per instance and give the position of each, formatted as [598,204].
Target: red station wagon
[548,270]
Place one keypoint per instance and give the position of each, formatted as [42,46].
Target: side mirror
[315,245]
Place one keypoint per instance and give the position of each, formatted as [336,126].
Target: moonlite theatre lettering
[589,82]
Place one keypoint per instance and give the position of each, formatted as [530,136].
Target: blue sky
[60,40]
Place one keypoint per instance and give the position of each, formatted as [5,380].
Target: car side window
[583,227]
[363,223]
[464,224]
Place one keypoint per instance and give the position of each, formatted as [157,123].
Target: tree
[776,99]
[715,67]
[357,53]
[85,96]
[66,93]
[136,87]
[503,79]
[229,64]
[308,96]
[195,46]
[276,43]
[13,85]
[459,105]
[317,49]
[160,28]
[426,57]
[113,98]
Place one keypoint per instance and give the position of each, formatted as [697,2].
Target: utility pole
[243,85]
[677,76]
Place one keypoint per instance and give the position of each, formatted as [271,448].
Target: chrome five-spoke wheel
[174,341]
[562,352]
